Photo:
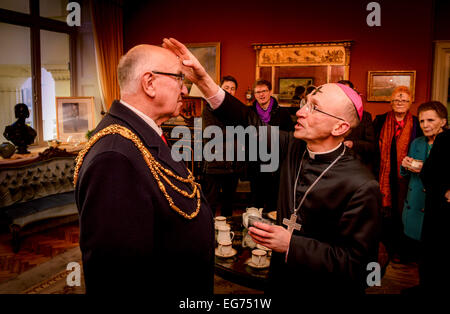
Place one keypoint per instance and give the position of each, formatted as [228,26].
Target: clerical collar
[328,155]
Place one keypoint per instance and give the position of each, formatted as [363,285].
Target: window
[35,62]
[55,77]
[15,73]
[54,9]
[22,6]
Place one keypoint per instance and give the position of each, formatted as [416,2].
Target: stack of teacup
[224,236]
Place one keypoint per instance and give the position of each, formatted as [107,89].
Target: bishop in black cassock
[339,219]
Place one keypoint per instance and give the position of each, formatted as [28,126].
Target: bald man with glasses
[145,227]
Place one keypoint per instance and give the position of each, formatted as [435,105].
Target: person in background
[309,89]
[264,185]
[299,93]
[394,132]
[435,174]
[433,121]
[221,175]
[362,139]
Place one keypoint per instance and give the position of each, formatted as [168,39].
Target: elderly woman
[394,132]
[433,120]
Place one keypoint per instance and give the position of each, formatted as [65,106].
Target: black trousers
[264,189]
[220,191]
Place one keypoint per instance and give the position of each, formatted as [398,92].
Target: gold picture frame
[74,117]
[209,56]
[381,84]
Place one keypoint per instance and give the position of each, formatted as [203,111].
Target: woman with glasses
[394,132]
[264,185]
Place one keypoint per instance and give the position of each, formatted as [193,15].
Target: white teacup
[259,257]
[225,248]
[220,221]
[224,233]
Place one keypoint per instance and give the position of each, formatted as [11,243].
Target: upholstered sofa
[37,193]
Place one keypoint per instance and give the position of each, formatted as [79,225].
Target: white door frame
[441,71]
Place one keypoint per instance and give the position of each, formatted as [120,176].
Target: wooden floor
[39,248]
[35,249]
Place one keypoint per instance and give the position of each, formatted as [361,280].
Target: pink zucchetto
[354,97]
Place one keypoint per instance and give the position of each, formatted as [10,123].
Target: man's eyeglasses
[262,92]
[178,76]
[396,101]
[310,107]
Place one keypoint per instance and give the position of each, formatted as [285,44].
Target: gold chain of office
[156,169]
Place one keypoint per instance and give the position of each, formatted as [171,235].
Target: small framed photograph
[381,84]
[74,117]
[287,86]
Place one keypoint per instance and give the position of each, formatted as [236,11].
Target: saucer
[272,215]
[250,263]
[233,253]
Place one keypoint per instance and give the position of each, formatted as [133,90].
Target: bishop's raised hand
[191,67]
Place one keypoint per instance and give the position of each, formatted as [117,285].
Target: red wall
[402,42]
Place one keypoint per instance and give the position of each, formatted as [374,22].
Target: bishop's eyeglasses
[178,76]
[310,108]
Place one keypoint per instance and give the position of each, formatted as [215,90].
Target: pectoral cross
[292,224]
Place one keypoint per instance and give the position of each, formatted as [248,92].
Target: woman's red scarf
[402,141]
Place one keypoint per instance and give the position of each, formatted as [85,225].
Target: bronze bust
[19,133]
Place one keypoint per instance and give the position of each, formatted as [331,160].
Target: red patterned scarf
[403,136]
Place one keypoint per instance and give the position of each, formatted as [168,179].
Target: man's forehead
[319,92]
[401,95]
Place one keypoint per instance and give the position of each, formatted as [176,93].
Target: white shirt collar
[312,154]
[144,117]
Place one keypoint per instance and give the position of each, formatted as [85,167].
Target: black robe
[131,241]
[340,217]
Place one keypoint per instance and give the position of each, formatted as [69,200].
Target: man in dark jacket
[361,139]
[141,233]
[264,185]
[221,177]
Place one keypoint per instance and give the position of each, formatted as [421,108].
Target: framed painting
[209,56]
[74,117]
[381,84]
[287,86]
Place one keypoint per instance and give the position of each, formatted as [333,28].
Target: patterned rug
[47,278]
[51,278]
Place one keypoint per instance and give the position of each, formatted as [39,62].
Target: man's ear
[340,128]
[147,83]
